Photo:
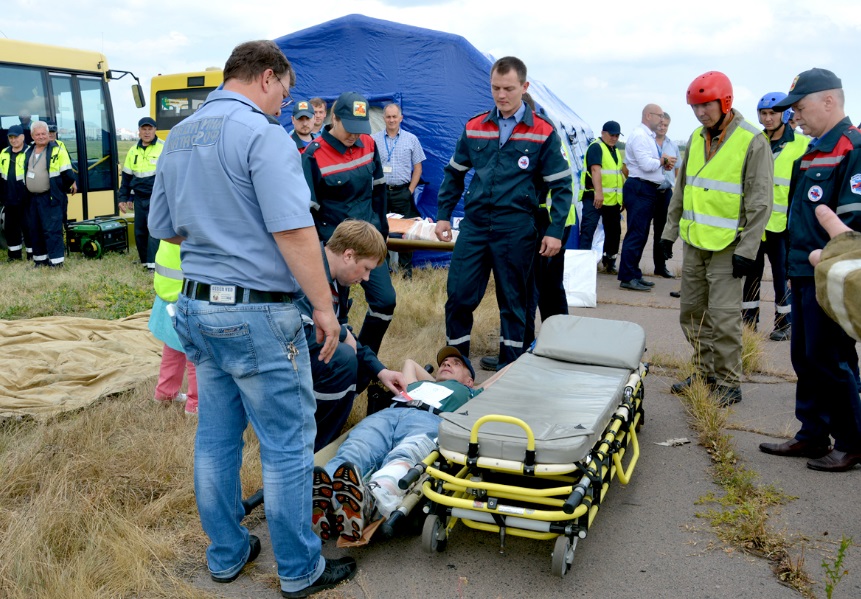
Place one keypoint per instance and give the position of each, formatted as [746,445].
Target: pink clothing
[173,365]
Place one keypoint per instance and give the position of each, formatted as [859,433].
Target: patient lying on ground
[363,475]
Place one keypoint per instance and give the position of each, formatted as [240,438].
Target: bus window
[22,99]
[174,105]
[61,87]
[101,160]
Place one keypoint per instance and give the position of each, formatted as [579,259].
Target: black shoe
[796,449]
[663,272]
[336,572]
[780,334]
[646,283]
[836,461]
[254,546]
[727,396]
[684,385]
[675,294]
[634,285]
[490,363]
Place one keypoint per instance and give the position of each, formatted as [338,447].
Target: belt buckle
[222,294]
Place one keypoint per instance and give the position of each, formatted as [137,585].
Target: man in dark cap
[823,355]
[13,190]
[136,187]
[601,193]
[303,122]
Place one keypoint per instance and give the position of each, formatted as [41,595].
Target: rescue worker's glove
[741,266]
[667,249]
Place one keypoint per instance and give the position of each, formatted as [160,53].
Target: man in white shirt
[646,167]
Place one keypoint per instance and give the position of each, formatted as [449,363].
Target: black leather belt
[417,405]
[396,187]
[232,294]
[652,183]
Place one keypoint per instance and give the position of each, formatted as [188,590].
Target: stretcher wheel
[433,534]
[563,555]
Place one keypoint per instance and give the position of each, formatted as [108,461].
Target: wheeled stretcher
[535,454]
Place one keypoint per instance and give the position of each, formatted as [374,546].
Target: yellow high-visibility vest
[167,278]
[711,207]
[611,176]
[783,160]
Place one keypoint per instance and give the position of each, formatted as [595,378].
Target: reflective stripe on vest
[611,176]
[167,279]
[572,212]
[711,206]
[60,161]
[6,159]
[783,161]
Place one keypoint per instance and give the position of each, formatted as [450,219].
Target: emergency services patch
[814,194]
[360,109]
[855,183]
[794,81]
[302,106]
[523,162]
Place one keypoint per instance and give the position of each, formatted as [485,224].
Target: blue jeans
[245,373]
[374,441]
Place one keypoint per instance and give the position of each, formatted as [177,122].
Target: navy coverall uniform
[46,211]
[136,185]
[823,355]
[347,373]
[13,197]
[498,232]
[349,183]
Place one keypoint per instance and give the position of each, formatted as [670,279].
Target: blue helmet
[772,98]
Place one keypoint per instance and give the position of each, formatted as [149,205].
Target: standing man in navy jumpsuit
[823,355]
[345,174]
[516,157]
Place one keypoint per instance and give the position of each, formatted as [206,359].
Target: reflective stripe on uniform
[848,208]
[344,166]
[712,221]
[457,341]
[380,315]
[511,343]
[783,309]
[750,305]
[456,166]
[334,396]
[557,176]
[170,273]
[713,184]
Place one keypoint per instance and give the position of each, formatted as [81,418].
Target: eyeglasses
[288,99]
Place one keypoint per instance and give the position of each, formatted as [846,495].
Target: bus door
[83,117]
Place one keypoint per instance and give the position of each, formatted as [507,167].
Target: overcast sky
[606,60]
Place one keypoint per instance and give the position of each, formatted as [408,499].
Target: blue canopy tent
[439,79]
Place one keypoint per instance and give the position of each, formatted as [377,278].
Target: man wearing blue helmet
[787,146]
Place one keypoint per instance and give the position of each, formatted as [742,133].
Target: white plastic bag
[580,278]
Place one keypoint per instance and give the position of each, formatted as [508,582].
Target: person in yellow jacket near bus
[787,146]
[719,207]
[136,187]
[167,281]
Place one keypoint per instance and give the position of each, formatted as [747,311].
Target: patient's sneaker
[350,493]
[322,510]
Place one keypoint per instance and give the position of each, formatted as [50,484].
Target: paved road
[647,541]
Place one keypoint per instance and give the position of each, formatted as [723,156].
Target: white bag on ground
[580,278]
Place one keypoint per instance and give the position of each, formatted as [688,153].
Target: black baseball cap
[146,121]
[613,128]
[352,109]
[448,352]
[809,82]
[303,108]
[15,131]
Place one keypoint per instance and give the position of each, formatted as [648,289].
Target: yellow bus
[174,97]
[67,88]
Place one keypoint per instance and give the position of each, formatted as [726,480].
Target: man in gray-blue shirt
[402,157]
[230,188]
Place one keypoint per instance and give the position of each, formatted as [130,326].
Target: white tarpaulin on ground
[56,364]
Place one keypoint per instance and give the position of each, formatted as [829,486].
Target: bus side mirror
[138,94]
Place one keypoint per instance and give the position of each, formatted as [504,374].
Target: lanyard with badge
[31,174]
[387,168]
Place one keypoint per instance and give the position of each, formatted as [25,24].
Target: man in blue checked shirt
[402,156]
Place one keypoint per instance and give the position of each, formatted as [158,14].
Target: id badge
[222,294]
[387,169]
[31,175]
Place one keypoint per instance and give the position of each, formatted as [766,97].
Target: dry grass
[100,503]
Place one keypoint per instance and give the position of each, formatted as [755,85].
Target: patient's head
[453,366]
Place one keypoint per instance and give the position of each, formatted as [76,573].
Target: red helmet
[711,86]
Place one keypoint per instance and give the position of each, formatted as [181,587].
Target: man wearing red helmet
[720,209]
[823,355]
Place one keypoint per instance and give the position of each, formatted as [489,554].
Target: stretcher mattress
[566,391]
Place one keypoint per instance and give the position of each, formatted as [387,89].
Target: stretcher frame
[534,501]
